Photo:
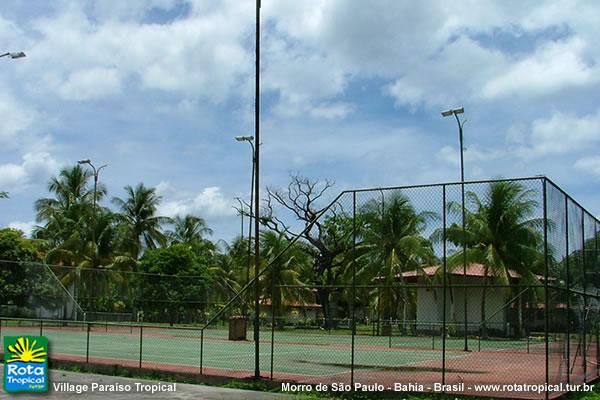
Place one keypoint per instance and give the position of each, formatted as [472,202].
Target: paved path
[183,391]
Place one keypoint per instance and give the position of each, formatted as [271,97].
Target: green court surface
[315,353]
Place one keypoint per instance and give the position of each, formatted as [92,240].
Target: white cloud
[130,9]
[427,54]
[301,77]
[90,84]
[434,54]
[209,203]
[332,110]
[17,117]
[590,165]
[554,66]
[472,154]
[35,169]
[562,133]
[25,227]
[83,57]
[446,78]
[163,187]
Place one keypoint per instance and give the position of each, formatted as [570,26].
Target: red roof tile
[474,270]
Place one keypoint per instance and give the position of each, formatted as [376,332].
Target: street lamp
[13,55]
[96,173]
[241,211]
[249,139]
[461,124]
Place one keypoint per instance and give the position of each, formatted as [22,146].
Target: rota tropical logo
[25,363]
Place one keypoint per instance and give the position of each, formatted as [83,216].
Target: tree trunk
[519,330]
[323,296]
[484,333]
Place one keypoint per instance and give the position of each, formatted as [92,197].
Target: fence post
[274,274]
[597,349]
[444,285]
[585,306]
[546,292]
[141,336]
[391,333]
[596,255]
[87,345]
[568,291]
[353,285]
[201,348]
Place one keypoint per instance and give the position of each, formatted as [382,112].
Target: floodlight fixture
[448,113]
[453,111]
[247,138]
[13,55]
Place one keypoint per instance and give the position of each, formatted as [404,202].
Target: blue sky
[351,91]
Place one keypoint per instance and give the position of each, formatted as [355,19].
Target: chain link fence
[411,287]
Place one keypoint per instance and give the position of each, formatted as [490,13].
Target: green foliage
[20,279]
[501,235]
[141,226]
[173,283]
[286,261]
[393,244]
[15,247]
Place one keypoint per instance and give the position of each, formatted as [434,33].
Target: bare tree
[322,227]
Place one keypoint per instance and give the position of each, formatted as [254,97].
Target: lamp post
[250,140]
[241,217]
[13,55]
[18,54]
[257,194]
[94,245]
[448,113]
[96,173]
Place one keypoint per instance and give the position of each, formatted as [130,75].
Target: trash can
[386,329]
[237,327]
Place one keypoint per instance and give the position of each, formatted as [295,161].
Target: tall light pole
[249,139]
[241,217]
[96,174]
[18,54]
[448,113]
[257,195]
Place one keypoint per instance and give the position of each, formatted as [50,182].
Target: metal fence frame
[546,286]
[549,285]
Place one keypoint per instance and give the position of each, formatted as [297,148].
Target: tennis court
[309,357]
[370,320]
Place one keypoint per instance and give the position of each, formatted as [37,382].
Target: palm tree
[3,195]
[138,215]
[79,235]
[94,260]
[499,234]
[224,278]
[393,244]
[70,211]
[285,265]
[189,229]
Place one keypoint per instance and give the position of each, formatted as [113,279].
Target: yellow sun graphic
[23,351]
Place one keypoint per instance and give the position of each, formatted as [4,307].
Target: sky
[351,91]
